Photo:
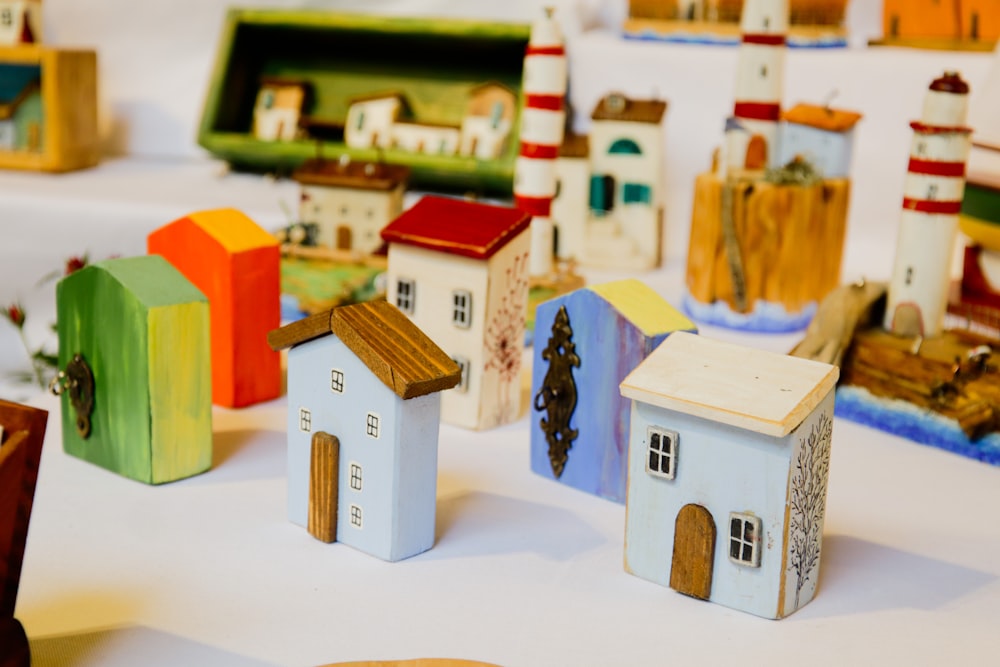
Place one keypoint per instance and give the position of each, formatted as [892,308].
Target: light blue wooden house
[730,453]
[586,342]
[821,135]
[363,415]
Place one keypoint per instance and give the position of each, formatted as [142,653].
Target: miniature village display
[754,215]
[375,88]
[235,264]
[459,270]
[812,23]
[723,435]
[579,421]
[940,24]
[48,106]
[22,432]
[364,408]
[20,22]
[136,381]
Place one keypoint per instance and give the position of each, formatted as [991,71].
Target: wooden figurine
[236,265]
[363,417]
[488,121]
[48,108]
[543,120]
[350,201]
[731,437]
[814,23]
[280,104]
[459,270]
[20,22]
[757,217]
[136,381]
[940,24]
[579,421]
[22,432]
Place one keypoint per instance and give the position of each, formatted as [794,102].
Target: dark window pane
[734,549]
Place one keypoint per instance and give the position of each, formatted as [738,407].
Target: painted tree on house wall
[808,501]
[504,339]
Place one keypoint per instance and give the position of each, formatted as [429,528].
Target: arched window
[626,146]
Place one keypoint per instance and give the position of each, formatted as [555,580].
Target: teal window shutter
[637,193]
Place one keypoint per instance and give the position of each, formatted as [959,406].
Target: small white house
[363,415]
[821,135]
[370,120]
[425,138]
[729,457]
[20,22]
[280,103]
[569,206]
[459,270]
[350,201]
[489,117]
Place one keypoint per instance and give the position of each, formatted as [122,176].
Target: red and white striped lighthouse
[932,200]
[760,73]
[542,125]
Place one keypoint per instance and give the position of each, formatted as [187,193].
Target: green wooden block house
[136,381]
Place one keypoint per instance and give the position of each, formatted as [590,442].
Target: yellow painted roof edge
[233,229]
[646,309]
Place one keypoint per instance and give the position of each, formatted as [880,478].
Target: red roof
[458,227]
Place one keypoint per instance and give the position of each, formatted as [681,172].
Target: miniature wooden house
[134,349]
[350,201]
[363,417]
[821,135]
[20,22]
[279,107]
[459,270]
[586,342]
[488,121]
[940,23]
[236,264]
[570,207]
[728,467]
[370,119]
[22,432]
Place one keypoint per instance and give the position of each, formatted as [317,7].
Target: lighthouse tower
[932,199]
[752,131]
[542,124]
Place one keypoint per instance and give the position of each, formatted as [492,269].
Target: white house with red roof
[459,270]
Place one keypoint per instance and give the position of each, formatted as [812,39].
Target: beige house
[489,117]
[280,103]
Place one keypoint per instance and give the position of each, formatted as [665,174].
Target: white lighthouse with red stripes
[752,132]
[543,122]
[932,199]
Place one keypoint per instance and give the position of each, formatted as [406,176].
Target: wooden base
[790,239]
[14,650]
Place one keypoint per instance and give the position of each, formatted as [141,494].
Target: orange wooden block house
[942,23]
[236,264]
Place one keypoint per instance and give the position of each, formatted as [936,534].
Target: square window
[372,425]
[305,420]
[463,367]
[356,516]
[661,448]
[406,293]
[336,381]
[461,308]
[744,539]
[355,476]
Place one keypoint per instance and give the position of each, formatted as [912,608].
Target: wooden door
[694,551]
[756,157]
[906,320]
[324,473]
[343,237]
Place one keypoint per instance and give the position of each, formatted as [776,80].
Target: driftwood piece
[840,314]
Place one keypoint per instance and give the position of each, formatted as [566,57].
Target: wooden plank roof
[822,118]
[615,106]
[356,174]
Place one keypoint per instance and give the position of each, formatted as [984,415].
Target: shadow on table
[244,454]
[129,646]
[474,523]
[861,576]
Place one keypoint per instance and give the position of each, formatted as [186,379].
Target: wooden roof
[389,344]
[642,306]
[822,118]
[615,106]
[457,227]
[575,145]
[354,174]
[731,384]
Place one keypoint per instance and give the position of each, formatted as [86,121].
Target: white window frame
[461,308]
[373,425]
[305,420]
[356,516]
[738,540]
[355,472]
[463,366]
[336,380]
[662,435]
[406,302]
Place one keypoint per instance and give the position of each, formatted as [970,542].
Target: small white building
[489,117]
[279,106]
[370,120]
[350,201]
[729,455]
[570,209]
[459,270]
[20,22]
[425,138]
[821,135]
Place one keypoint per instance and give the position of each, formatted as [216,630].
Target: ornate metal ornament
[557,396]
[78,380]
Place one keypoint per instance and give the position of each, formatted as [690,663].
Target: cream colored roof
[752,389]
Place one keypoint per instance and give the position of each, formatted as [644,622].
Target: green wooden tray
[433,62]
